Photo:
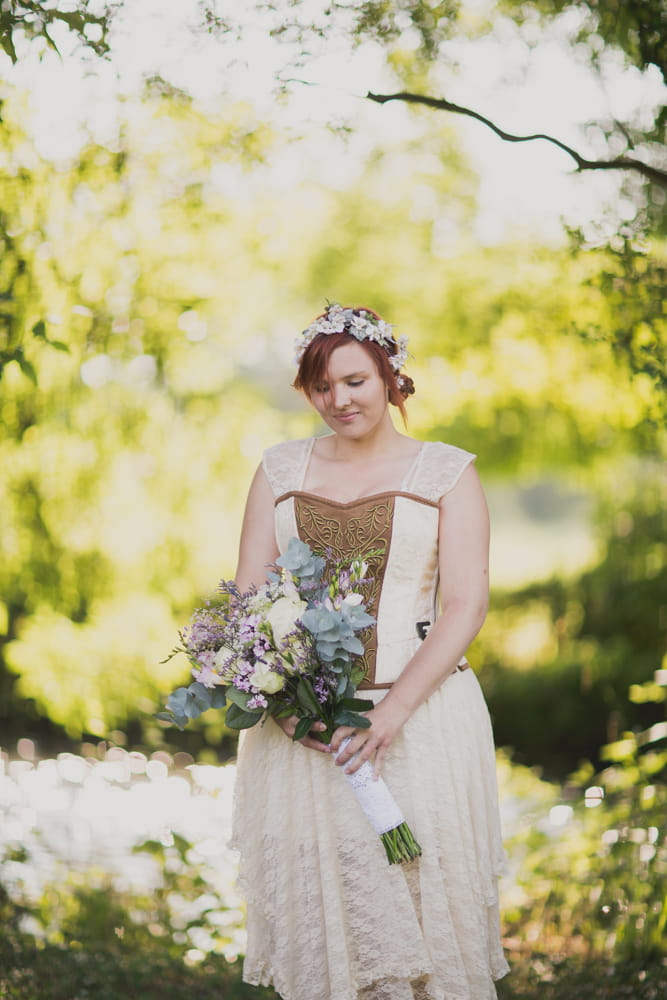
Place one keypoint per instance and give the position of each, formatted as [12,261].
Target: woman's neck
[381,442]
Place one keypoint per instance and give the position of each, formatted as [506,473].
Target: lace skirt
[328,917]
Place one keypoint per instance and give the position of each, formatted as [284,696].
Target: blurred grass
[584,912]
[30,972]
[582,979]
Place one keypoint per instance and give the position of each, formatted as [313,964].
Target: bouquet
[289,648]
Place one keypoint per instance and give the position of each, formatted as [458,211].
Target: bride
[328,918]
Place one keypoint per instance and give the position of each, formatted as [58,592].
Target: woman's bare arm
[258,547]
[463,541]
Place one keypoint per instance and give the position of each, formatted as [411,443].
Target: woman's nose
[341,396]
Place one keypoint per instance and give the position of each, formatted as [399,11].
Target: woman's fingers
[343,753]
[379,758]
[312,742]
[363,744]
[288,725]
[315,744]
[361,747]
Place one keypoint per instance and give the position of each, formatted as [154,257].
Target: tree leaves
[34,20]
[17,355]
[39,332]
[638,28]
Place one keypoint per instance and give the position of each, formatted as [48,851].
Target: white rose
[283,617]
[263,678]
[221,657]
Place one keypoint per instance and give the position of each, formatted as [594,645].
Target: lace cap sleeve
[440,468]
[285,464]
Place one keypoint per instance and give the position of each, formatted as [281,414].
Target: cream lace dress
[328,917]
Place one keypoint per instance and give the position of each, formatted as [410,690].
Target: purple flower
[248,627]
[260,647]
[206,659]
[205,673]
[323,686]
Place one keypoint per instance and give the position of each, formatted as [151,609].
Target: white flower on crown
[362,325]
[398,360]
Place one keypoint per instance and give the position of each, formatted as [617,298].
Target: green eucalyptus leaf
[352,645]
[357,675]
[219,697]
[306,696]
[356,704]
[193,710]
[352,719]
[237,718]
[200,695]
[301,561]
[177,699]
[279,710]
[303,728]
[172,718]
[239,698]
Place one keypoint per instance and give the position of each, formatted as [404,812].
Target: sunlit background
[173,211]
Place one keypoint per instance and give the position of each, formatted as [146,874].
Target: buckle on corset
[423,629]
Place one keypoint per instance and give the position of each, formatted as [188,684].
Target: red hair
[315,363]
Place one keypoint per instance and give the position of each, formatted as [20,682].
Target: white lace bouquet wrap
[290,648]
[382,811]
[373,796]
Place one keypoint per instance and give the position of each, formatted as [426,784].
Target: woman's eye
[357,383]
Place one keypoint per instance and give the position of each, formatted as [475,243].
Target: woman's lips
[346,417]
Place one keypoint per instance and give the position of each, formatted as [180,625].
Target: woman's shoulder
[299,446]
[440,468]
[440,451]
[284,464]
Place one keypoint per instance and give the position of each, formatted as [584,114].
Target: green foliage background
[148,328]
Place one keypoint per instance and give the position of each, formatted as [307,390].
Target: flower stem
[400,844]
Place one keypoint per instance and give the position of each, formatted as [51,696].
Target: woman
[328,918]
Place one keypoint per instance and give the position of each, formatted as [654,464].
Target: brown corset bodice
[343,532]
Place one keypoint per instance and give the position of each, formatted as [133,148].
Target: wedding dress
[328,918]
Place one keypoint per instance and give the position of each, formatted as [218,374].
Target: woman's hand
[288,724]
[387,719]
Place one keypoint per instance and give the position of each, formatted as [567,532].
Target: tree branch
[654,174]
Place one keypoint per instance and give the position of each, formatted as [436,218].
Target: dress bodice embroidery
[346,532]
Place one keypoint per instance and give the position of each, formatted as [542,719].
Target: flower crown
[362,325]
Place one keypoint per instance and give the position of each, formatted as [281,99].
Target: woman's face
[352,398]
